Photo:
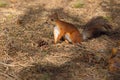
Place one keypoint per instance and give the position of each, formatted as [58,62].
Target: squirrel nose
[46,22]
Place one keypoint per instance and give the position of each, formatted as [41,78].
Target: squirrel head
[52,18]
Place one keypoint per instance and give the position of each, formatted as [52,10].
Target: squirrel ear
[55,14]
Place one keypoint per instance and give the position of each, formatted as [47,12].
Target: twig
[11,65]
[6,75]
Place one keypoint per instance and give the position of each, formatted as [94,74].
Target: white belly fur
[56,32]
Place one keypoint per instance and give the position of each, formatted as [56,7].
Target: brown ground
[27,51]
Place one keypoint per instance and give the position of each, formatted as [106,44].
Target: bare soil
[27,51]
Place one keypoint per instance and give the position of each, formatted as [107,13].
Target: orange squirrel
[64,29]
[96,27]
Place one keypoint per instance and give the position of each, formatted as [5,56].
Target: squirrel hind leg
[76,38]
[67,37]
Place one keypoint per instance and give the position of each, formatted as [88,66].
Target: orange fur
[67,29]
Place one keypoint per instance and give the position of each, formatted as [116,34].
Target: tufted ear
[55,14]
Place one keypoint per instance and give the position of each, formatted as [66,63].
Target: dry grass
[26,43]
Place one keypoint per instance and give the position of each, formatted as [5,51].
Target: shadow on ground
[31,28]
[74,69]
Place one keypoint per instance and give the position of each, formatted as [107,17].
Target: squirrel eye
[52,20]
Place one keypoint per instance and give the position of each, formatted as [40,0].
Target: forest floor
[27,51]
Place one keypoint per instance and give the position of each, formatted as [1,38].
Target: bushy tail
[108,27]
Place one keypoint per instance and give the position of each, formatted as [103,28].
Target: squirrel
[96,27]
[64,29]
